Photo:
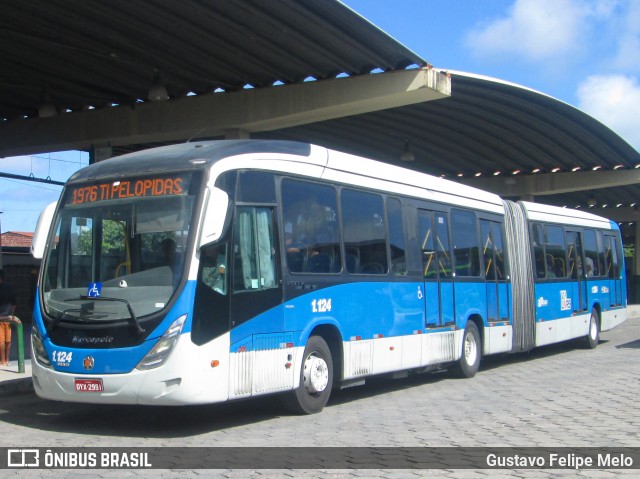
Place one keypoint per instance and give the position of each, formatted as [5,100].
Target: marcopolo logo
[23,458]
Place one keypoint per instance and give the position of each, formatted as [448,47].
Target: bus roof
[565,216]
[337,166]
[334,165]
[184,156]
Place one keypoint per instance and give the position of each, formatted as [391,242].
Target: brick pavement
[561,395]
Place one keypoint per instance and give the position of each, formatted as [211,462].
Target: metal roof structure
[489,129]
[76,54]
[62,57]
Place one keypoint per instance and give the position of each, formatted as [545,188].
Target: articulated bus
[212,271]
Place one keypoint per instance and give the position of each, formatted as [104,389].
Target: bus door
[576,299]
[613,265]
[436,265]
[256,286]
[495,274]
[259,347]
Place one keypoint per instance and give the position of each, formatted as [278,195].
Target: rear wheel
[316,379]
[592,339]
[468,365]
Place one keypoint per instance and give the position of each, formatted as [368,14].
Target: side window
[537,239]
[427,242]
[213,267]
[574,255]
[443,246]
[396,237]
[211,303]
[254,249]
[364,232]
[492,250]
[498,238]
[312,234]
[465,243]
[256,187]
[555,252]
[612,257]
[600,258]
[593,263]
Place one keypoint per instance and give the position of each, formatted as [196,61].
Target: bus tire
[469,363]
[316,379]
[593,337]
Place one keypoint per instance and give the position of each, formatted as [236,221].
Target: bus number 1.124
[321,305]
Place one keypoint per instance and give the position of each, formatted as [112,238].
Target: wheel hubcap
[470,349]
[316,374]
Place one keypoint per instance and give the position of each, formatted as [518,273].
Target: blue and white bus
[213,271]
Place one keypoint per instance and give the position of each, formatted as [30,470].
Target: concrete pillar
[99,153]
[634,281]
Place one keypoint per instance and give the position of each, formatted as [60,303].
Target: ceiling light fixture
[407,154]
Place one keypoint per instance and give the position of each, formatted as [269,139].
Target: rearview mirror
[214,216]
[42,230]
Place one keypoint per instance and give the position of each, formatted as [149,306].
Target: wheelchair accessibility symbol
[94,290]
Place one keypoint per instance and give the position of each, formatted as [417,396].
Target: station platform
[13,382]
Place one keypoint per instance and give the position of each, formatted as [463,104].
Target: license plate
[89,385]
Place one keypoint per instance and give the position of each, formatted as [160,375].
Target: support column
[634,282]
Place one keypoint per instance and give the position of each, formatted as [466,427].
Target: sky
[583,52]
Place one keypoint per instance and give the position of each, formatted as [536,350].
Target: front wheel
[468,365]
[592,339]
[316,379]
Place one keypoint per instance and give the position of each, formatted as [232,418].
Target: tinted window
[427,242]
[537,239]
[443,245]
[312,235]
[256,187]
[465,243]
[396,237]
[364,232]
[594,254]
[254,250]
[555,252]
[492,250]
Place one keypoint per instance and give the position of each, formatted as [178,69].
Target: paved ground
[562,395]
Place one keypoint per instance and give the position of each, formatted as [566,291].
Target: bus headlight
[38,349]
[162,350]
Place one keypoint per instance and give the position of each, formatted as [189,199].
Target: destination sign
[123,189]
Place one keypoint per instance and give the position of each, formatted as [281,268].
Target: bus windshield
[117,256]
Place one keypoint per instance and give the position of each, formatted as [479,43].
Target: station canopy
[68,57]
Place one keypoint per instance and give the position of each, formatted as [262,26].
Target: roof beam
[212,115]
[618,215]
[554,183]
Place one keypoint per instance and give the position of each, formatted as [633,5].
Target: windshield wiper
[132,319]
